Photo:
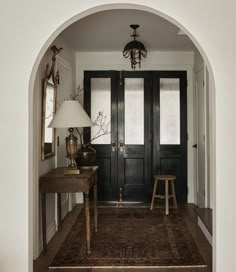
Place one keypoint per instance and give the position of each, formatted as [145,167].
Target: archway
[32,158]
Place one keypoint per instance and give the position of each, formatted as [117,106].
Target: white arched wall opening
[25,28]
[209,22]
[33,158]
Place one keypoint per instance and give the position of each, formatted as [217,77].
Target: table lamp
[71,115]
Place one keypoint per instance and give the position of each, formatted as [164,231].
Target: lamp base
[71,171]
[71,148]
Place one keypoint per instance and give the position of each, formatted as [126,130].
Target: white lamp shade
[70,115]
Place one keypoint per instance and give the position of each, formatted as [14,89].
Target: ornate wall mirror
[50,83]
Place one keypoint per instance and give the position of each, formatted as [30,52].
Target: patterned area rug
[129,237]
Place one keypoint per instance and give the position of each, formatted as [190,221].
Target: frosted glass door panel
[169,111]
[101,103]
[134,111]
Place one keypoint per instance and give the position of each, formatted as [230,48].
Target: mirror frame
[44,153]
[51,79]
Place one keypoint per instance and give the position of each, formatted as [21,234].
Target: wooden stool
[165,178]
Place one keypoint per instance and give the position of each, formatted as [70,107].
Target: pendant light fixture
[135,50]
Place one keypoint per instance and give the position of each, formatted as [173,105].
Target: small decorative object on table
[86,156]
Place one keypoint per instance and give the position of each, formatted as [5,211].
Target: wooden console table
[56,182]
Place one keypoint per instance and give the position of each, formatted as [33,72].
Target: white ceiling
[110,31]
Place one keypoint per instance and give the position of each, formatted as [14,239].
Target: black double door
[146,113]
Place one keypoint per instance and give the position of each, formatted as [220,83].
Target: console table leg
[87,218]
[59,210]
[43,196]
[95,203]
[167,196]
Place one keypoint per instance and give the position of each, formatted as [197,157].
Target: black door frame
[160,158]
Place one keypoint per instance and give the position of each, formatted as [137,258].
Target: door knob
[113,147]
[121,146]
[195,145]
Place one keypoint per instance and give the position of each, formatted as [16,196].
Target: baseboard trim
[51,230]
[204,230]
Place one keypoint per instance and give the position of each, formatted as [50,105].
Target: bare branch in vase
[100,122]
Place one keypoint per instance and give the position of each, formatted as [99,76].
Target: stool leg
[167,196]
[153,193]
[173,193]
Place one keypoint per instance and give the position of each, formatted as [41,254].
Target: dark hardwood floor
[190,217]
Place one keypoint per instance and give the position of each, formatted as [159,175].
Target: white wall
[199,129]
[210,129]
[154,61]
[65,57]
[198,61]
[211,156]
[27,28]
